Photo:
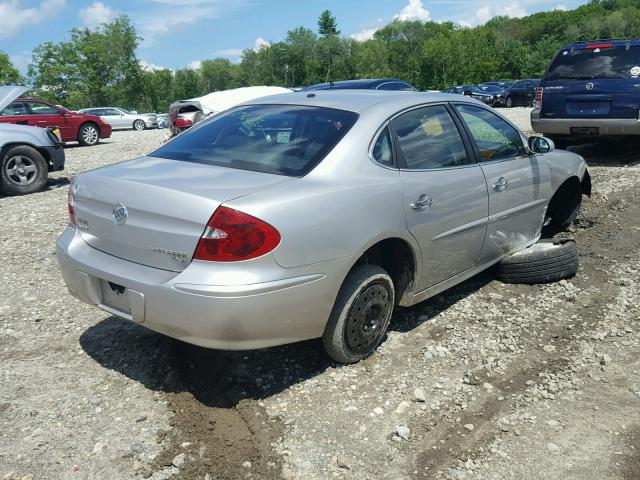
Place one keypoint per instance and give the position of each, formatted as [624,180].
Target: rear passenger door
[518,183]
[445,193]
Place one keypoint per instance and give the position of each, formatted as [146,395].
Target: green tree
[327,25]
[95,67]
[8,73]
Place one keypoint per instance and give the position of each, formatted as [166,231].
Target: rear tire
[88,134]
[544,262]
[24,170]
[361,314]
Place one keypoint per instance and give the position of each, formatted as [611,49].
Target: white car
[124,119]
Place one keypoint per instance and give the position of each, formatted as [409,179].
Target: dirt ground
[486,381]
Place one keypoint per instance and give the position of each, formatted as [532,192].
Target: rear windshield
[281,139]
[596,63]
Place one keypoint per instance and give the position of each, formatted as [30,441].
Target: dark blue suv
[590,89]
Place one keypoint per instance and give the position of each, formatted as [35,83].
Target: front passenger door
[518,183]
[445,194]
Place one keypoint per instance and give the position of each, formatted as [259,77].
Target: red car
[74,127]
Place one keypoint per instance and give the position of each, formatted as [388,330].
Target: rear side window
[280,139]
[596,63]
[428,138]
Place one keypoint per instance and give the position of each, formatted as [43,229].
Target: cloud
[513,9]
[152,67]
[96,14]
[164,17]
[261,43]
[195,65]
[414,10]
[367,31]
[15,18]
[561,7]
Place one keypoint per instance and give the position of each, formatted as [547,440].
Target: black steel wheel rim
[367,318]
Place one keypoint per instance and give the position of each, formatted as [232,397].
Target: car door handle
[501,185]
[422,202]
[42,121]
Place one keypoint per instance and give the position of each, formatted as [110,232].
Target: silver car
[119,118]
[310,215]
[27,154]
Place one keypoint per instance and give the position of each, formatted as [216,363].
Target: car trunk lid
[162,206]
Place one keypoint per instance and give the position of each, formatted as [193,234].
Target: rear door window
[428,138]
[596,63]
[280,139]
[14,109]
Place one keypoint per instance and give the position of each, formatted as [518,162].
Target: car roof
[355,100]
[615,42]
[354,84]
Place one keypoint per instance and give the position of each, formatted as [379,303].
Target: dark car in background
[369,84]
[521,94]
[489,98]
[590,90]
[86,129]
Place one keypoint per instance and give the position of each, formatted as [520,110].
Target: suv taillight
[71,205]
[232,236]
[538,97]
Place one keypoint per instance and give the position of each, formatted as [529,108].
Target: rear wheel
[139,125]
[88,134]
[24,170]
[361,314]
[544,262]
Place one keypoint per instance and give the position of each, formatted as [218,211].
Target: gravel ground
[486,381]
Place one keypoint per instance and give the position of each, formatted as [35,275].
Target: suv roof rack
[607,40]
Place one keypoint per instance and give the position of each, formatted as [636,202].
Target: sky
[180,33]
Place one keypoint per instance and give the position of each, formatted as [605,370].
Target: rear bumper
[562,126]
[294,306]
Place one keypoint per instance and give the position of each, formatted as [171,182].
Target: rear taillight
[538,97]
[182,122]
[232,236]
[71,205]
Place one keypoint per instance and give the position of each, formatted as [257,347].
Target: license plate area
[585,131]
[115,296]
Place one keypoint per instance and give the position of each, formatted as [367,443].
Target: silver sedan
[119,118]
[311,215]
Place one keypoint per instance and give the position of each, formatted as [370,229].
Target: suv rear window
[596,63]
[280,139]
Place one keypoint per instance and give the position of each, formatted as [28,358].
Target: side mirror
[541,144]
[467,93]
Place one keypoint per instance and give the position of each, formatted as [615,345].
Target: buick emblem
[120,214]
[589,86]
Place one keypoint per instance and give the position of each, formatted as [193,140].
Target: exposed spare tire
[546,261]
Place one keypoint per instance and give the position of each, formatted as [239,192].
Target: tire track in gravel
[597,244]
